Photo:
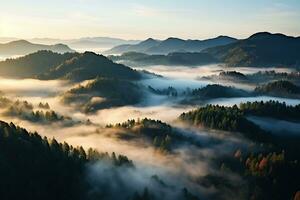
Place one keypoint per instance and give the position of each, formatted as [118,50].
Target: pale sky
[140,19]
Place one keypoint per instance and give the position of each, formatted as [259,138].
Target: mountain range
[78,44]
[22,47]
[170,45]
[171,59]
[260,50]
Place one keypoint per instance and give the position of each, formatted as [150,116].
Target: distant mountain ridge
[171,59]
[22,47]
[260,50]
[170,45]
[77,43]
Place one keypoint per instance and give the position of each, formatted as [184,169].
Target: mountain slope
[279,88]
[260,50]
[32,167]
[22,47]
[170,45]
[89,65]
[140,47]
[177,58]
[32,64]
[103,93]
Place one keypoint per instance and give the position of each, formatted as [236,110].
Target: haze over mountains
[78,44]
[22,47]
[152,46]
[262,49]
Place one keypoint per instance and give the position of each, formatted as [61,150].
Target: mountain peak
[174,39]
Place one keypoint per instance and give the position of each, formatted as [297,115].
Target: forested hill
[22,47]
[89,65]
[224,118]
[70,66]
[103,93]
[32,167]
[260,50]
[280,88]
[32,64]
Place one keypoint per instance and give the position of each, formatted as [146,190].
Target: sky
[141,19]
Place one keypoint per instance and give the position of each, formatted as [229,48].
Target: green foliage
[218,91]
[33,64]
[32,167]
[25,111]
[269,175]
[160,134]
[88,66]
[279,88]
[272,109]
[103,93]
[224,118]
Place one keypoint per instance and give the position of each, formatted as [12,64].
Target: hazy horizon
[131,19]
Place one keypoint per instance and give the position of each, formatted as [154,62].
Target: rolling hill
[260,50]
[89,65]
[32,64]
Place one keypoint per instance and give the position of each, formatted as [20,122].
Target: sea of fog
[186,163]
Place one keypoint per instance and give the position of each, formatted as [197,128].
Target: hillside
[55,170]
[187,59]
[218,91]
[103,93]
[170,45]
[89,65]
[23,47]
[279,88]
[32,64]
[260,50]
[224,118]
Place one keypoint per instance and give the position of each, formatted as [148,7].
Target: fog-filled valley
[154,119]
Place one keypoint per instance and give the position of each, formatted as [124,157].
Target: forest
[41,168]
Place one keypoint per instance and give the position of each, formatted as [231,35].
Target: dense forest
[260,77]
[155,133]
[279,88]
[33,167]
[89,65]
[272,174]
[272,109]
[224,118]
[103,93]
[33,64]
[159,134]
[270,170]
[218,91]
